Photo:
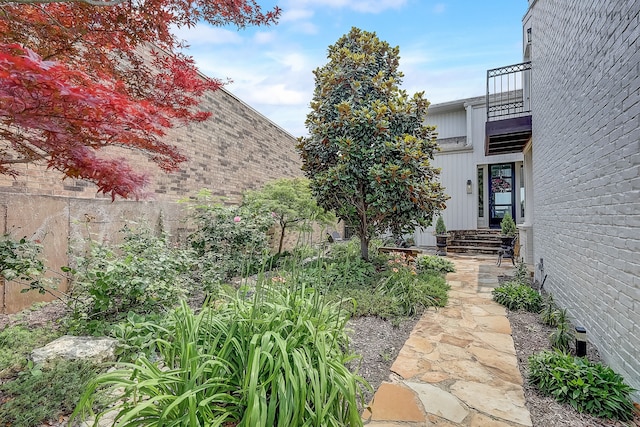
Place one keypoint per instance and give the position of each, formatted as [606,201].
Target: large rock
[76,348]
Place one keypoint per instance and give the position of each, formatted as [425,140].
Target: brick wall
[236,149]
[586,167]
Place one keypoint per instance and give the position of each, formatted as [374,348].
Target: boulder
[96,349]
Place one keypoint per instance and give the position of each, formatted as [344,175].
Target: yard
[218,321]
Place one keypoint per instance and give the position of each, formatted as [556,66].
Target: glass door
[501,193]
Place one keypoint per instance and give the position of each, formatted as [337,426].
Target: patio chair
[507,251]
[334,236]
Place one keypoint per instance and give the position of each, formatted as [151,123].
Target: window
[480,192]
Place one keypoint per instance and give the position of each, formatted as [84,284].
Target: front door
[501,193]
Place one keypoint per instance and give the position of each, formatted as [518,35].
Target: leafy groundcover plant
[408,292]
[586,386]
[518,296]
[276,358]
[437,264]
[39,394]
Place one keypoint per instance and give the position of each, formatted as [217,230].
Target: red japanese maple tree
[76,78]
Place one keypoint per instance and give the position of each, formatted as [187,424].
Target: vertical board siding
[449,124]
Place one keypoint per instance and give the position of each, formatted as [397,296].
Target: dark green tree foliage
[290,203]
[368,154]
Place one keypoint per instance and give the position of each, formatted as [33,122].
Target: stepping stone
[394,402]
[502,403]
[438,402]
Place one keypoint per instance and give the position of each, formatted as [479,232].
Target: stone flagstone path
[458,367]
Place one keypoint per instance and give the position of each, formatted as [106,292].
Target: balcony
[508,126]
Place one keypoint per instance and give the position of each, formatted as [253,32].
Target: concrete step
[476,242]
[489,250]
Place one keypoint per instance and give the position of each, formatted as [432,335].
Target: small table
[409,253]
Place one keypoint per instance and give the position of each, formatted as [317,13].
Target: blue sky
[446,46]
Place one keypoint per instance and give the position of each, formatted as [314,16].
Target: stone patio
[458,367]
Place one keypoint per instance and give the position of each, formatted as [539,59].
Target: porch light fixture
[469,187]
[529,35]
[581,341]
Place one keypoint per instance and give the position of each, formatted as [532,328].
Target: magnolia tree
[290,203]
[76,78]
[368,152]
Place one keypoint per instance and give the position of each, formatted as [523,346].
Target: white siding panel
[461,211]
[449,124]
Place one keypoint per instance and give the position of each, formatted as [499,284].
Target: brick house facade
[584,162]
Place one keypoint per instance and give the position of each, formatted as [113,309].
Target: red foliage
[76,78]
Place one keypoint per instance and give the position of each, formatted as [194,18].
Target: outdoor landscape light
[581,341]
[469,187]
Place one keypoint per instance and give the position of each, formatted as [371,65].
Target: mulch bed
[531,336]
[379,341]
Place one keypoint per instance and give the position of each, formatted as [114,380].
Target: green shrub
[517,296]
[229,240]
[508,225]
[550,312]
[586,386]
[560,339]
[436,264]
[143,274]
[21,260]
[39,395]
[522,273]
[441,228]
[276,358]
[16,343]
[137,335]
[348,273]
[410,293]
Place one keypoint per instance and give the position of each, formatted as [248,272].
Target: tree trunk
[364,248]
[281,240]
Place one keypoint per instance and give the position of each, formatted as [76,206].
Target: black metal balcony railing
[508,127]
[509,92]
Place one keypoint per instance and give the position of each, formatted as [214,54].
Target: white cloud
[299,20]
[203,34]
[366,6]
[376,6]
[305,28]
[295,15]
[295,61]
[262,37]
[277,94]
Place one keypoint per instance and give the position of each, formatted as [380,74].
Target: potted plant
[441,237]
[508,226]
[509,232]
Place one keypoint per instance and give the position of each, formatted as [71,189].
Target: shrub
[522,273]
[21,260]
[143,274]
[560,339]
[38,395]
[137,335]
[277,358]
[517,296]
[229,240]
[441,228]
[508,225]
[550,312]
[412,293]
[586,386]
[435,264]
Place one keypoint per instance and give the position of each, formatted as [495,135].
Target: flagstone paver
[458,367]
